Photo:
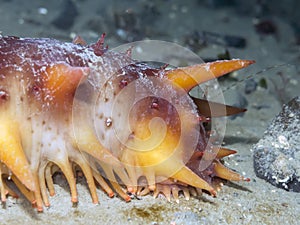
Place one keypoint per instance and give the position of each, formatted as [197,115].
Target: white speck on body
[108,122]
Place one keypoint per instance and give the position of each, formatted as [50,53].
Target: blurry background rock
[265,27]
[277,154]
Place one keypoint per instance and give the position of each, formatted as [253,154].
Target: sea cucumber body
[64,107]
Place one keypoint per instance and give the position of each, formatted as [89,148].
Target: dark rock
[266,27]
[277,154]
[67,16]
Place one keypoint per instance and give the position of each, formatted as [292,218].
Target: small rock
[277,154]
[265,27]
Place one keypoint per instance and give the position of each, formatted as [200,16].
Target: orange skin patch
[61,81]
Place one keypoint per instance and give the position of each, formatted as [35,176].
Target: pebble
[277,154]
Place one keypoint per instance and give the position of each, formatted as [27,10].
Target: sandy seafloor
[256,202]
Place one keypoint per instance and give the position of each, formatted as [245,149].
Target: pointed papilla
[79,41]
[189,177]
[190,76]
[98,47]
[223,152]
[227,174]
[214,109]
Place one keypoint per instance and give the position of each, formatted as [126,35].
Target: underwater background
[265,31]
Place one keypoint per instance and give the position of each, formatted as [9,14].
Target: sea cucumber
[65,106]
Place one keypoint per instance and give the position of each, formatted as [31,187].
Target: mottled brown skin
[42,81]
